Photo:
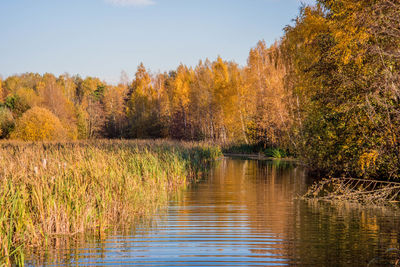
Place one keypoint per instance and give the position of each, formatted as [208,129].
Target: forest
[328,93]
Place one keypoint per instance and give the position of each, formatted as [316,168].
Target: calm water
[244,214]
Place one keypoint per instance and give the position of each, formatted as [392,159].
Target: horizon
[103,38]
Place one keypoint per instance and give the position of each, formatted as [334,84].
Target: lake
[244,213]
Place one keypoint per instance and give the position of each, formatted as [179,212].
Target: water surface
[244,213]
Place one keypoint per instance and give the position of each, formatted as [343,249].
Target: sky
[104,37]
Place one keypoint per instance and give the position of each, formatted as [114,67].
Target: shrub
[38,124]
[6,122]
[276,153]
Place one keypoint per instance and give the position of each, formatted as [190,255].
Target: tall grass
[50,189]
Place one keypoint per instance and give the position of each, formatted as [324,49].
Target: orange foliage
[39,124]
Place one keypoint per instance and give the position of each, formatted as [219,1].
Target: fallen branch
[355,190]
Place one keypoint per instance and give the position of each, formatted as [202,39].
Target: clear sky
[103,37]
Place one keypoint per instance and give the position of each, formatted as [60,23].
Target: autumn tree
[11,84]
[343,70]
[161,81]
[52,95]
[114,108]
[38,124]
[68,86]
[268,120]
[90,107]
[201,109]
[179,94]
[143,120]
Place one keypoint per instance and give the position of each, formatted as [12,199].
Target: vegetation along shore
[50,189]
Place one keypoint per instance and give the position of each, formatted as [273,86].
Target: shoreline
[258,157]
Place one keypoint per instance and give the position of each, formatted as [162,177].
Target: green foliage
[16,104]
[7,122]
[258,148]
[276,153]
[99,92]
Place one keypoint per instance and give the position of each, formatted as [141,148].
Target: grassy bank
[50,189]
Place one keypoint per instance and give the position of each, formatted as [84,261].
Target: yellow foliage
[367,159]
[182,87]
[142,84]
[39,124]
[350,37]
[90,85]
[28,96]
[71,130]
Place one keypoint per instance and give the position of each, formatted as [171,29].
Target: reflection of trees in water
[257,198]
[343,235]
[271,190]
[310,234]
[259,192]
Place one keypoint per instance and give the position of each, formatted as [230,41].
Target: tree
[53,93]
[343,66]
[142,107]
[201,98]
[180,101]
[114,107]
[68,87]
[89,107]
[7,122]
[39,124]
[266,96]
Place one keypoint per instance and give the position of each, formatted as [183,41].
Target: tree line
[328,92]
[216,100]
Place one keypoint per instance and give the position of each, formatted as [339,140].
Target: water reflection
[244,214]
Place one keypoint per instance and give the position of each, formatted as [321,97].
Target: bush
[39,124]
[6,122]
[276,153]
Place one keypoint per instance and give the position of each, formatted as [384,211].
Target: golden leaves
[38,124]
[368,159]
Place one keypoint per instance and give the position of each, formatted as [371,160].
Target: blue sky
[103,37]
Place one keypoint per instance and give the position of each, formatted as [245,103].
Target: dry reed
[49,189]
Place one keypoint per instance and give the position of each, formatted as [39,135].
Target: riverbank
[52,189]
[257,157]
[256,151]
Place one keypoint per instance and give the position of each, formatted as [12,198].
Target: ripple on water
[244,214]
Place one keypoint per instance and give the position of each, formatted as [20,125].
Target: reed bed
[51,189]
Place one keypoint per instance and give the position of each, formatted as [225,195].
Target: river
[245,213]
